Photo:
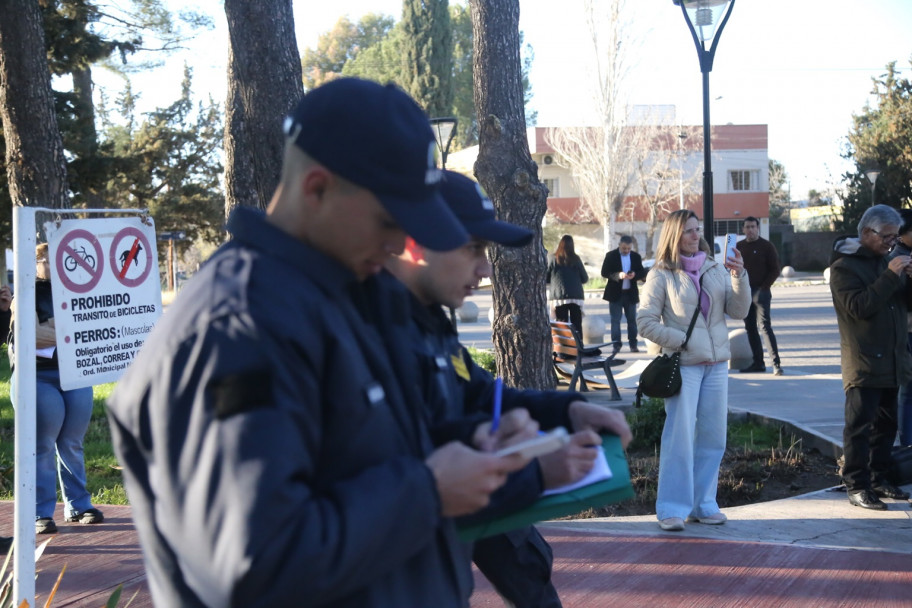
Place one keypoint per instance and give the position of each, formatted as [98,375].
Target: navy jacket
[270,456]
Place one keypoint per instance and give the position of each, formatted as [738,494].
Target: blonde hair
[41,252]
[668,253]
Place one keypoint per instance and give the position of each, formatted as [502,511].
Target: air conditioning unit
[548,159]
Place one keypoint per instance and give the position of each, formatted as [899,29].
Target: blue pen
[498,393]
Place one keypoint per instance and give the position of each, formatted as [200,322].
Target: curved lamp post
[702,17]
[444,132]
[872,174]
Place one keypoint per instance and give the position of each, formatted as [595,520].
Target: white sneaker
[716,519]
[672,524]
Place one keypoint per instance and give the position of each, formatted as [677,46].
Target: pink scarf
[691,267]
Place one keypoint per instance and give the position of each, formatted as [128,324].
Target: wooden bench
[567,349]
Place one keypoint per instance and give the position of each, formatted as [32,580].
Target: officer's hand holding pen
[514,426]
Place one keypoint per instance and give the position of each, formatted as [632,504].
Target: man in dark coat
[762,265]
[623,267]
[871,301]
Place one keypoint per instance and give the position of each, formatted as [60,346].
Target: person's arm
[737,294]
[584,277]
[649,313]
[239,480]
[772,266]
[858,299]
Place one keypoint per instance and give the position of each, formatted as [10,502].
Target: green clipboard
[598,494]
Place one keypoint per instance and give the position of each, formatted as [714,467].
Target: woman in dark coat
[566,277]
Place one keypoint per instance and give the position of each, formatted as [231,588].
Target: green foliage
[646,423]
[344,44]
[170,165]
[880,137]
[485,359]
[378,55]
[779,195]
[428,57]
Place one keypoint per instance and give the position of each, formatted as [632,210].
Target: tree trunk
[264,83]
[35,164]
[522,336]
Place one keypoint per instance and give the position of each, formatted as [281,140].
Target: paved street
[809,394]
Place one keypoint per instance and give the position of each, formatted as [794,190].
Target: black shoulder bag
[662,377]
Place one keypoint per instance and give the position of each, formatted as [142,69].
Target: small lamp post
[872,174]
[444,132]
[702,17]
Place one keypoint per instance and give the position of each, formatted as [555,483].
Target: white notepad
[600,472]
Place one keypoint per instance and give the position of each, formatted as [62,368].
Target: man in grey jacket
[871,300]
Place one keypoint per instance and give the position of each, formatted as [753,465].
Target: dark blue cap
[476,212]
[378,138]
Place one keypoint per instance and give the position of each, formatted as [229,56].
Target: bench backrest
[563,340]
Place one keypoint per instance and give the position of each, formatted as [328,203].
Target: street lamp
[872,174]
[701,17]
[444,132]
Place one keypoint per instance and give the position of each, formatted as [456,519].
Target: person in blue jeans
[62,419]
[623,267]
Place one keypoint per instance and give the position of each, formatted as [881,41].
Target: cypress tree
[428,56]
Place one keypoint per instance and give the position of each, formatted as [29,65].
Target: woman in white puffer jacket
[693,440]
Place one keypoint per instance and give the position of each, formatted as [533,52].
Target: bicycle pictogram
[70,263]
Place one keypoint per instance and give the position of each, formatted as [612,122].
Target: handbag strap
[693,320]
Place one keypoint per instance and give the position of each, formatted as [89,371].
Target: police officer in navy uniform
[270,456]
[459,393]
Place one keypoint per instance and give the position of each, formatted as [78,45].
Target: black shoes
[756,368]
[89,516]
[888,490]
[634,349]
[866,499]
[45,525]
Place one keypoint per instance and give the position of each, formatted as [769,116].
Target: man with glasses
[871,300]
[762,264]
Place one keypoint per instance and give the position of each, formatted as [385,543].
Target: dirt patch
[746,477]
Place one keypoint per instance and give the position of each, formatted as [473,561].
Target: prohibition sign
[66,254]
[136,242]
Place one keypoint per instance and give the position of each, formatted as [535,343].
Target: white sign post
[107,295]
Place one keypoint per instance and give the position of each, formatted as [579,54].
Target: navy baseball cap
[476,212]
[378,138]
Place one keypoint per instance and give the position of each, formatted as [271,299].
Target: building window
[553,186]
[744,180]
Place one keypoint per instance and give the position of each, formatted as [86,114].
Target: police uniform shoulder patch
[459,365]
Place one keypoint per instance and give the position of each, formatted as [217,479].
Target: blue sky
[800,66]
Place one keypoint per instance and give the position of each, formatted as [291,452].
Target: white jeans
[693,442]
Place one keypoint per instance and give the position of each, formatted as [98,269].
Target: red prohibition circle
[139,235]
[64,249]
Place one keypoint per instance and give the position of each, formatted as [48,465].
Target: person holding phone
[684,280]
[762,264]
[871,298]
[623,267]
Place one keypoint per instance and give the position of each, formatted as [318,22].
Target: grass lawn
[104,479]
